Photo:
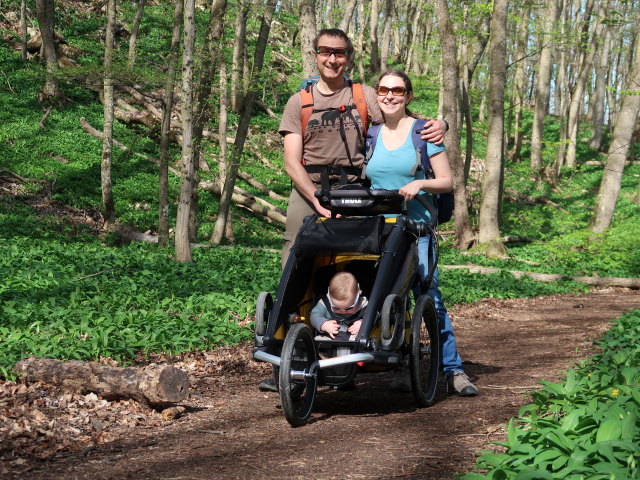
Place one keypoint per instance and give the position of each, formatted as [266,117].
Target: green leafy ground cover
[584,427]
[143,301]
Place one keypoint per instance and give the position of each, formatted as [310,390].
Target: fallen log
[552,277]
[150,385]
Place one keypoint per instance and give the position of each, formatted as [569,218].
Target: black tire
[263,308]
[424,360]
[391,316]
[297,396]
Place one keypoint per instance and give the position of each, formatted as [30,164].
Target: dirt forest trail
[233,431]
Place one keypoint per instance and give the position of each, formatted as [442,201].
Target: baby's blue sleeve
[319,315]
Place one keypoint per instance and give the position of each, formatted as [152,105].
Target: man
[333,135]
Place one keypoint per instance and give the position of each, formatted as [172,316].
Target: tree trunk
[519,86]
[622,133]
[374,66]
[167,101]
[239,45]
[182,244]
[386,35]
[577,93]
[542,84]
[308,32]
[23,29]
[602,62]
[223,164]
[150,385]
[107,140]
[243,127]
[360,43]
[489,234]
[45,13]
[464,235]
[133,39]
[347,16]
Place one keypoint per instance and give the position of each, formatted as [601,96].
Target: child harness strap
[444,201]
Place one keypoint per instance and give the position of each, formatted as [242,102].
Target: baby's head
[344,293]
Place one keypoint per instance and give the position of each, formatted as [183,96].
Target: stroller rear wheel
[424,360]
[297,395]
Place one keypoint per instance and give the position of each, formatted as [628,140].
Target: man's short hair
[333,32]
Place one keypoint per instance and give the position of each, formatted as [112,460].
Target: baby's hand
[355,327]
[331,327]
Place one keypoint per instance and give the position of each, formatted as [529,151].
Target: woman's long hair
[408,89]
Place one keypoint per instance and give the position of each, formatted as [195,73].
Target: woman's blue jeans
[451,361]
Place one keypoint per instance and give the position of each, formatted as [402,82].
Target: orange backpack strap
[361,105]
[306,107]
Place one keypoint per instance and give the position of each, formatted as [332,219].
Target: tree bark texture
[133,39]
[150,385]
[547,22]
[599,94]
[374,65]
[45,13]
[239,46]
[167,101]
[107,140]
[243,126]
[308,32]
[347,16]
[464,235]
[182,244]
[622,133]
[489,234]
[23,29]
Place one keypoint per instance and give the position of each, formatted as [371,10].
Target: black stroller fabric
[353,235]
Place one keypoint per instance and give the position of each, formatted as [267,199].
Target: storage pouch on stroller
[354,235]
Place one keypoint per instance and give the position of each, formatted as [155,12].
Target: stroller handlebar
[359,201]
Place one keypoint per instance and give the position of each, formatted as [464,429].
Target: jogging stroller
[382,254]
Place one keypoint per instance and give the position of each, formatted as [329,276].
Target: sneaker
[400,382]
[459,383]
[268,385]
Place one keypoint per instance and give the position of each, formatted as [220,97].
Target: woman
[390,167]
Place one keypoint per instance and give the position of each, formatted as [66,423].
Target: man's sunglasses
[338,52]
[396,91]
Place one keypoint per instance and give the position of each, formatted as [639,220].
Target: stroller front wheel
[297,395]
[424,361]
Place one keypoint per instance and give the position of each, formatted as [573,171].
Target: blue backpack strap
[422,156]
[369,146]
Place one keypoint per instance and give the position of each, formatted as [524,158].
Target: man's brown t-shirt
[322,143]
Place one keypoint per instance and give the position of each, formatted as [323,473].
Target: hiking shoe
[268,385]
[400,382]
[459,383]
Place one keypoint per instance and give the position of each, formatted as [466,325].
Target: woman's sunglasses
[396,91]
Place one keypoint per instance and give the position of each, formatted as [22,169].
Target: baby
[339,313]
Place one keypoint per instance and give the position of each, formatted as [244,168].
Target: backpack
[444,201]
[306,109]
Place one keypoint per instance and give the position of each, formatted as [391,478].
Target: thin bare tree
[307,23]
[182,244]
[347,16]
[45,13]
[619,148]
[489,232]
[243,126]
[464,234]
[239,47]
[107,138]
[546,22]
[133,38]
[167,103]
